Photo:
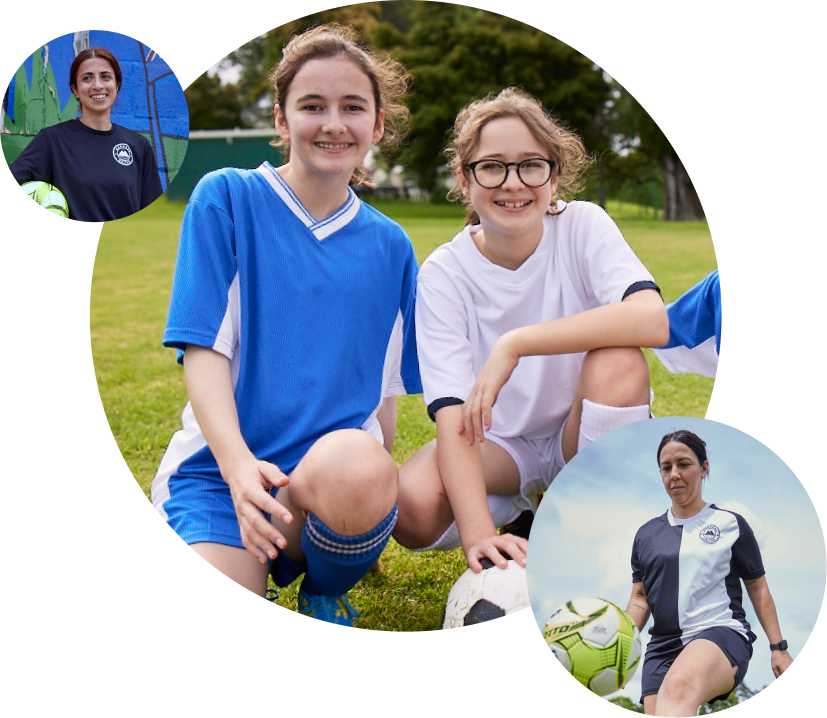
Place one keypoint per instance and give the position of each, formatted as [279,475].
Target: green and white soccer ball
[47,196]
[597,642]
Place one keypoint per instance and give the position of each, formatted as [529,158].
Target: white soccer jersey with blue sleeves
[315,316]
[694,330]
[692,569]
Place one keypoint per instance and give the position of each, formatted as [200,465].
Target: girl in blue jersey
[687,568]
[293,307]
[105,171]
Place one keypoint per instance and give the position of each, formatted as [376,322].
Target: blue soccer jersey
[316,317]
[692,569]
[694,329]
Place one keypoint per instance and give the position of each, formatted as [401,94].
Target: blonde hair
[562,144]
[388,78]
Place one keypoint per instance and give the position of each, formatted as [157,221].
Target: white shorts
[538,461]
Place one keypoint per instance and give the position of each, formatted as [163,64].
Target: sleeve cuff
[438,404]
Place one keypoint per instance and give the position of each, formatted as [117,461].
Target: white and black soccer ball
[492,593]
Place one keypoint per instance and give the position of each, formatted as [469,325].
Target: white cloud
[756,524]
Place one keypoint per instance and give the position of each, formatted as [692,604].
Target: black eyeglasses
[491,174]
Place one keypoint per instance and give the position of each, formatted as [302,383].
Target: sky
[582,536]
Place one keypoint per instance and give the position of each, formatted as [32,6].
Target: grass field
[142,388]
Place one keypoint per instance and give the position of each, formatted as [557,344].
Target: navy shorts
[662,652]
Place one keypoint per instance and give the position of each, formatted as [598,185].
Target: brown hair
[88,54]
[562,144]
[388,78]
[688,439]
[692,441]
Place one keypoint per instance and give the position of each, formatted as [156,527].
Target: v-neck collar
[323,228]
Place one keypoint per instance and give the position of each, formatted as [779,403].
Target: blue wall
[150,101]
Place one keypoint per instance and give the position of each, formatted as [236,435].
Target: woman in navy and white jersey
[687,568]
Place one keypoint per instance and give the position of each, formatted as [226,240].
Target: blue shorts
[201,510]
[663,650]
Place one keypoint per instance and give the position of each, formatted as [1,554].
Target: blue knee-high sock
[336,562]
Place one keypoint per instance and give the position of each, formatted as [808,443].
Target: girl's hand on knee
[250,489]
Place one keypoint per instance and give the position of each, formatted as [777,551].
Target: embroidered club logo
[122,153]
[710,533]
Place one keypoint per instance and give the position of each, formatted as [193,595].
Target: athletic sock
[599,419]
[336,562]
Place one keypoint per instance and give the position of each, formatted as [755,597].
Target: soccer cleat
[331,609]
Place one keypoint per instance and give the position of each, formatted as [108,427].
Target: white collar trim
[681,522]
[323,228]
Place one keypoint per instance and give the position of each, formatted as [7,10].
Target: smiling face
[96,87]
[330,119]
[512,211]
[682,476]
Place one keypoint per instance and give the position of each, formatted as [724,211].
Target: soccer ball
[484,596]
[47,196]
[597,642]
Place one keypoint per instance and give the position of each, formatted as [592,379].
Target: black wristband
[780,646]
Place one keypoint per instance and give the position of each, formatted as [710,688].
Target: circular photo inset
[94,126]
[671,556]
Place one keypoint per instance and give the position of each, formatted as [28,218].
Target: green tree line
[456,54]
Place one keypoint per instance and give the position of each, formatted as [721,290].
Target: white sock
[503,510]
[599,419]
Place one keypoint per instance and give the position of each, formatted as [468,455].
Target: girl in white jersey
[293,307]
[687,568]
[529,325]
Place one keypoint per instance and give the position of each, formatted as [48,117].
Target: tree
[641,134]
[739,695]
[213,106]
[627,703]
[257,57]
[457,54]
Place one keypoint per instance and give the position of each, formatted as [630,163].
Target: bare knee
[616,376]
[414,536]
[422,518]
[424,511]
[677,688]
[348,480]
